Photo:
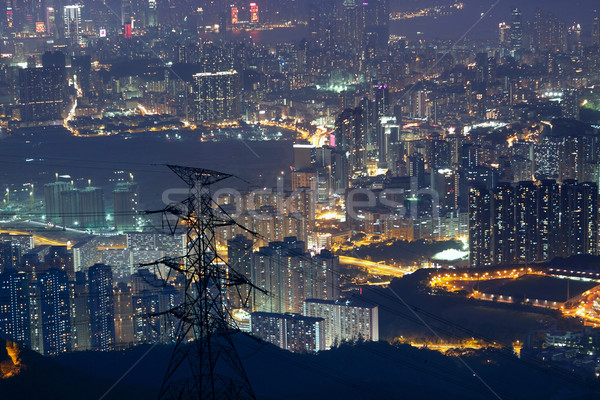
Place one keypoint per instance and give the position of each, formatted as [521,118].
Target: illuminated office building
[234,15]
[254,13]
[73,27]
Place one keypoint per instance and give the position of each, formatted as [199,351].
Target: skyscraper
[41,93]
[254,18]
[152,13]
[325,276]
[504,34]
[526,222]
[86,254]
[376,19]
[102,322]
[91,208]
[503,220]
[579,218]
[350,140]
[217,96]
[550,33]
[151,295]
[292,332]
[14,307]
[516,29]
[480,233]
[345,319]
[10,255]
[234,15]
[548,216]
[126,206]
[352,27]
[52,199]
[596,29]
[55,312]
[69,207]
[416,168]
[537,221]
[382,102]
[123,316]
[81,67]
[239,258]
[72,24]
[81,309]
[266,274]
[59,257]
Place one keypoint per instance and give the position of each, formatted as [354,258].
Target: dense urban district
[403,201]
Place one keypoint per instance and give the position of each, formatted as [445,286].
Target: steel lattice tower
[204,363]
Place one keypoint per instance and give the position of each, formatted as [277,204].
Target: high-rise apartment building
[548,219]
[579,217]
[86,254]
[52,199]
[91,208]
[291,275]
[59,257]
[292,332]
[480,234]
[69,207]
[345,320]
[126,206]
[533,221]
[14,307]
[526,222]
[55,312]
[101,303]
[217,96]
[239,258]
[81,339]
[41,93]
[123,316]
[503,224]
[549,33]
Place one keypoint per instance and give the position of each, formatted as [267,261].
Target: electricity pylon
[204,363]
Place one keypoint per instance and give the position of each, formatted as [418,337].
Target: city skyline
[247,184]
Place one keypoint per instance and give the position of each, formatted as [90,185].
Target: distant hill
[361,371]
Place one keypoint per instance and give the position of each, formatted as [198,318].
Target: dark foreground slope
[367,370]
